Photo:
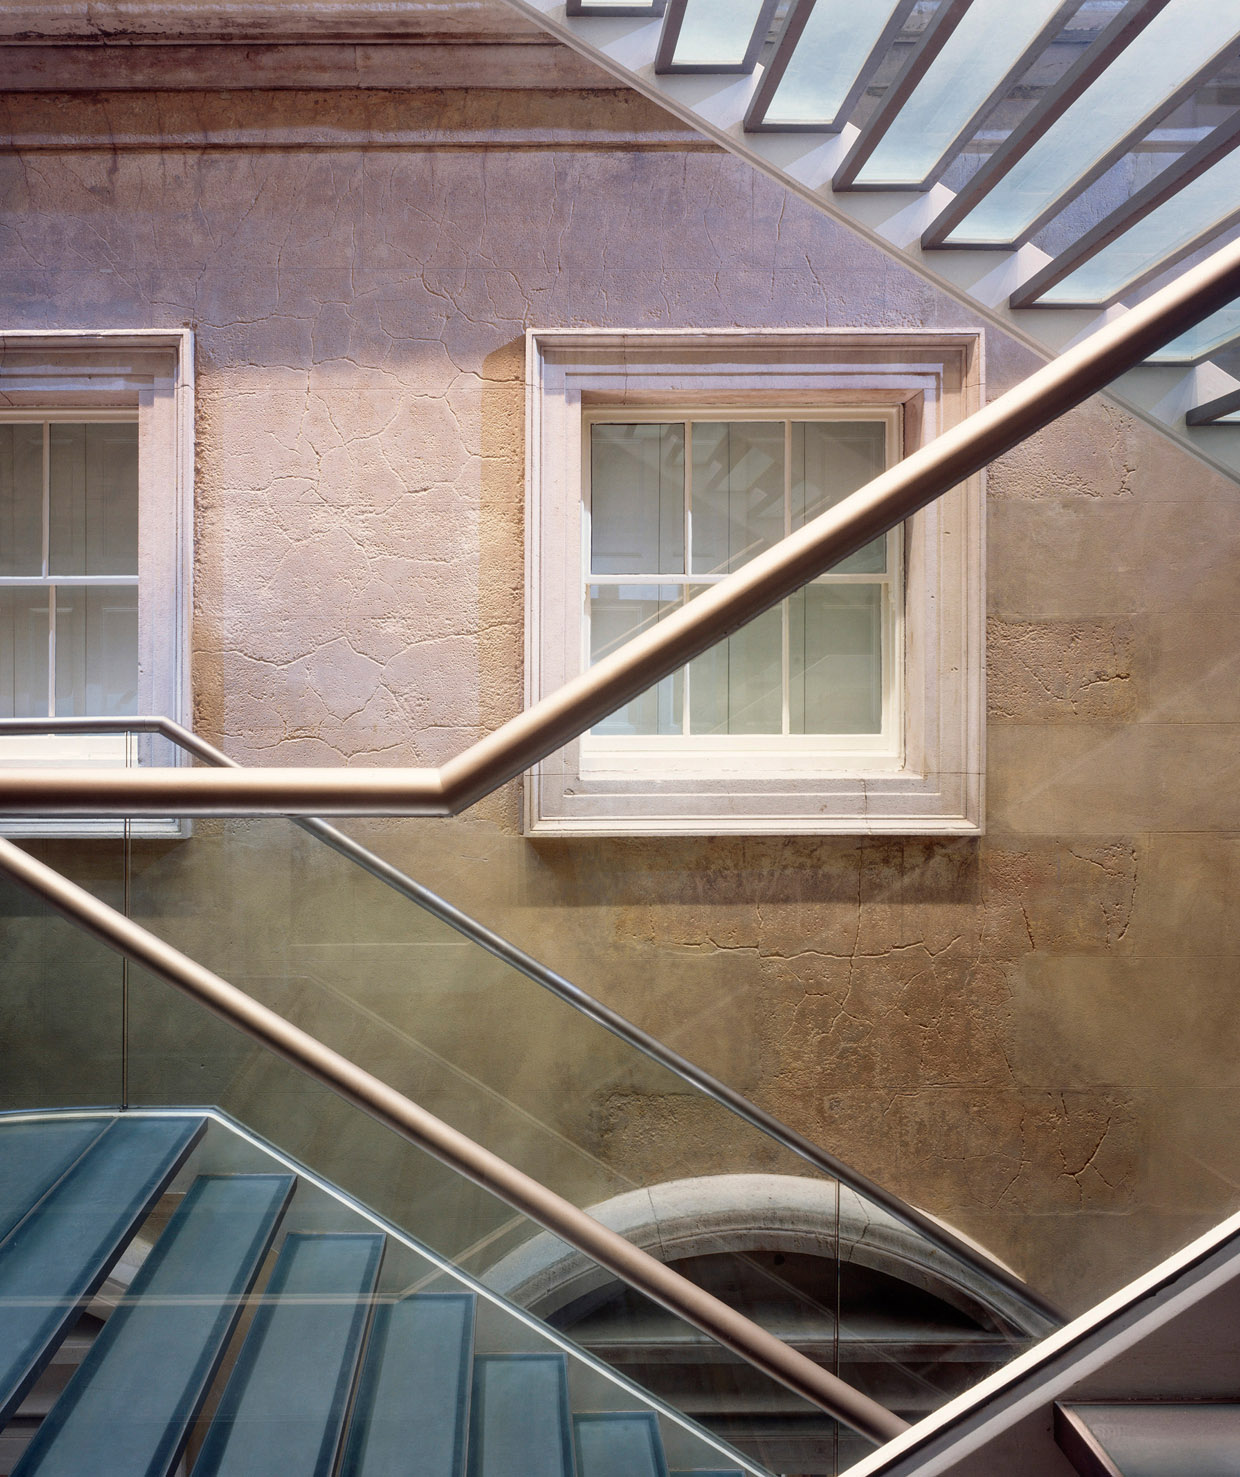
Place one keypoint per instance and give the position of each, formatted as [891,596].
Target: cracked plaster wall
[1032,1036]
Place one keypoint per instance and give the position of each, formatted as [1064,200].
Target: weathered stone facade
[1030,1035]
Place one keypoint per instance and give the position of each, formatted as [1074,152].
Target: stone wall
[1031,1035]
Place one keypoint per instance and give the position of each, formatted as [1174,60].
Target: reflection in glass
[93,498]
[616,616]
[24,625]
[737,686]
[738,492]
[835,659]
[96,650]
[830,52]
[1174,45]
[637,499]
[716,32]
[830,460]
[21,499]
[956,84]
[1198,209]
[1210,335]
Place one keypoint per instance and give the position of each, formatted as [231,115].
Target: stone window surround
[936,377]
[150,371]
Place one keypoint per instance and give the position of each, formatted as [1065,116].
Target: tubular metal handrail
[395,1111]
[702,622]
[926,1227]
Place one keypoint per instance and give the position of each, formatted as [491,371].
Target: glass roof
[1177,43]
[829,55]
[716,33]
[1200,208]
[975,59]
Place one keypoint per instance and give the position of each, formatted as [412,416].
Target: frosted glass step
[129,1408]
[33,1156]
[519,1424]
[282,1413]
[59,1254]
[413,1394]
[619,1445]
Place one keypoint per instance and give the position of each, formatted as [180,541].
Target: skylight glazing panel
[1177,43]
[1199,208]
[832,49]
[989,39]
[716,33]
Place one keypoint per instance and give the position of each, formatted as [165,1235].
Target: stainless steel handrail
[705,620]
[819,1158]
[395,1111]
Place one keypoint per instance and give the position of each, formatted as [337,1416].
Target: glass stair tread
[283,1408]
[413,1392]
[619,1445]
[129,1408]
[34,1155]
[58,1255]
[519,1423]
[1151,1439]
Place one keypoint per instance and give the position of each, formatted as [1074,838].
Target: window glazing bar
[992,46]
[934,38]
[393,1110]
[827,53]
[713,35]
[1190,199]
[1151,57]
[704,621]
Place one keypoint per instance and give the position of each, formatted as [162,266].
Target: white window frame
[760,754]
[930,780]
[148,376]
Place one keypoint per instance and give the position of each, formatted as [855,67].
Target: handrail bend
[930,1230]
[704,621]
[395,1111]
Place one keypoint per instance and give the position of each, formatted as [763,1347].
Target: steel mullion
[1164,186]
[1019,66]
[673,21]
[583,8]
[794,26]
[1069,89]
[933,39]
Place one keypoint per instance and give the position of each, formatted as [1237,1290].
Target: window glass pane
[94,498]
[835,659]
[21,499]
[831,459]
[737,686]
[637,499]
[616,616]
[96,650]
[716,32]
[738,492]
[23,653]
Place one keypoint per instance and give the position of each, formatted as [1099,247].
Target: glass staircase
[1043,163]
[263,1325]
[344,944]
